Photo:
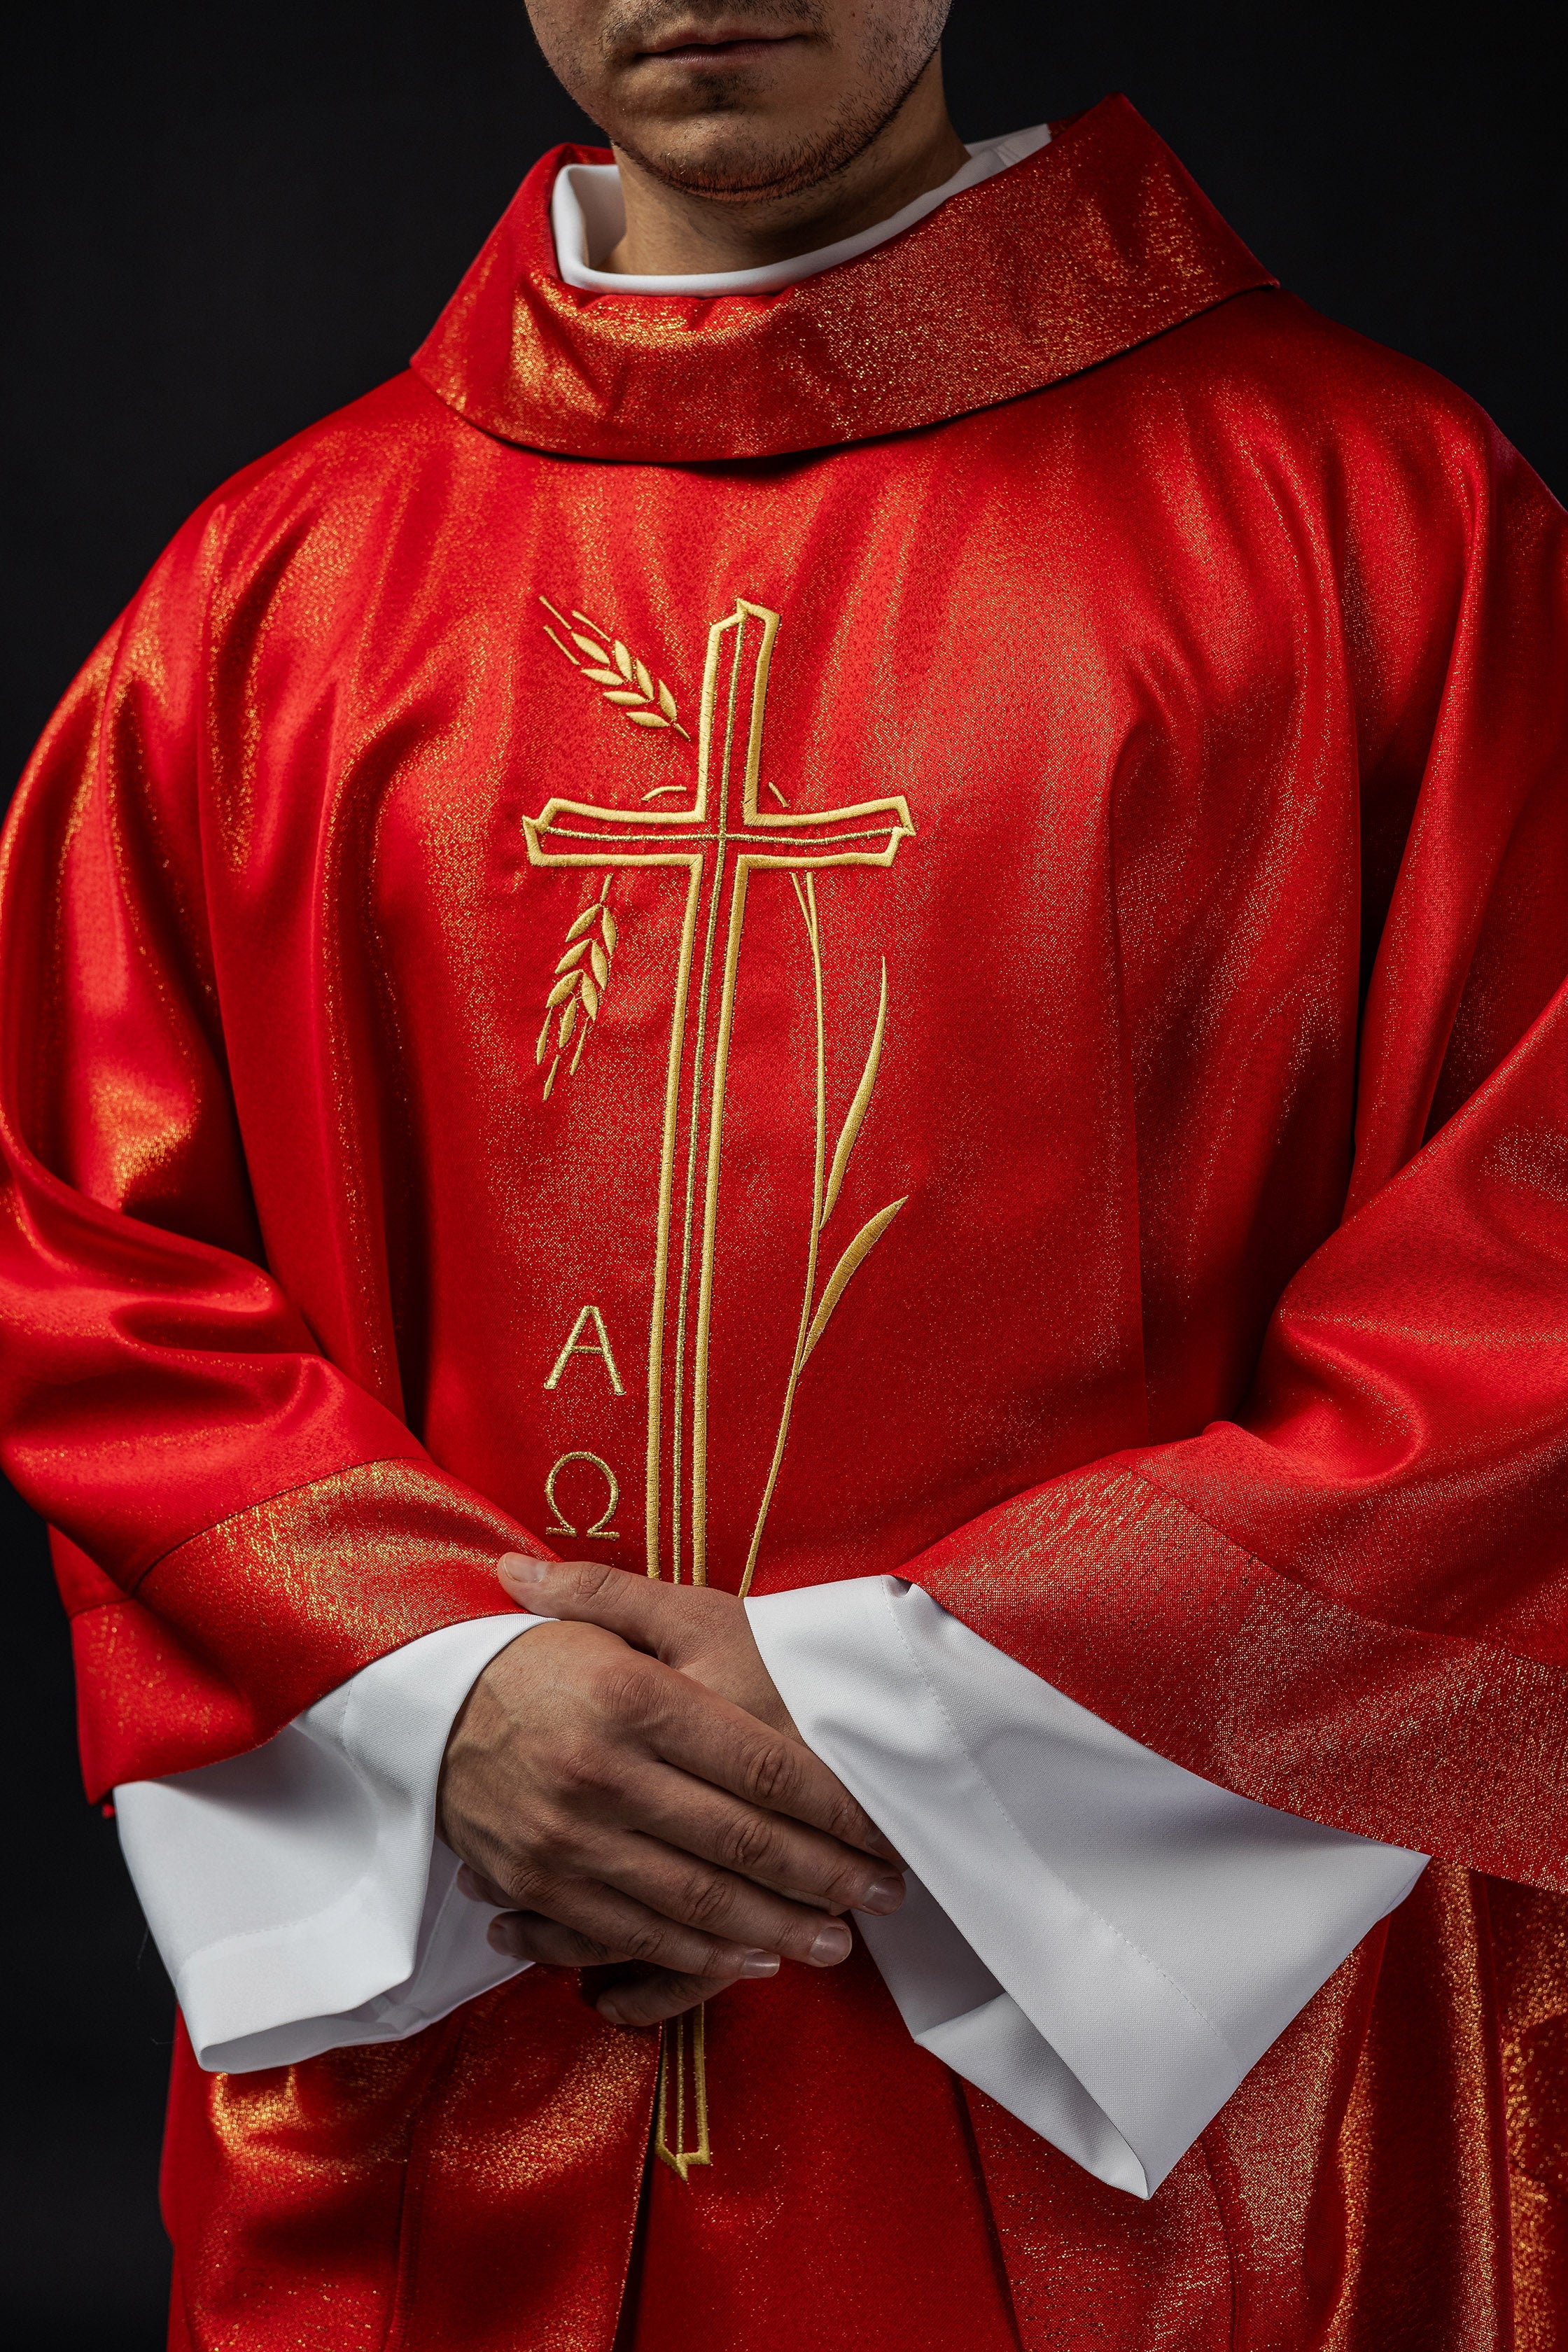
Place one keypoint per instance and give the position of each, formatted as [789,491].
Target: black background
[223,222]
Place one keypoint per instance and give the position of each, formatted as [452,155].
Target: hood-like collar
[1084,249]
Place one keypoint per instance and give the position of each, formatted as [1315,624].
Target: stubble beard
[746,163]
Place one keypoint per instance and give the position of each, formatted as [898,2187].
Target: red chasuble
[912,925]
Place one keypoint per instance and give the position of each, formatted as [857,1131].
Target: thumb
[587,1592]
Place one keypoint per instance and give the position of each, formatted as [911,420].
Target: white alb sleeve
[1103,1941]
[298,1896]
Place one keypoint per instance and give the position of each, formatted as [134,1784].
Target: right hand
[623,1812]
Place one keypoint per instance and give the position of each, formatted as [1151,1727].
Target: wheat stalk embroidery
[582,977]
[816,1311]
[622,679]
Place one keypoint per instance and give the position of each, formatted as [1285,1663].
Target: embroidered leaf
[603,676]
[542,1047]
[839,1281]
[582,923]
[623,659]
[861,1104]
[600,961]
[647,718]
[595,653]
[590,996]
[644,679]
[623,695]
[568,1020]
[608,925]
[562,989]
[573,955]
[666,701]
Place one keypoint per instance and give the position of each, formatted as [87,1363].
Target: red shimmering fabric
[968,975]
[472,2189]
[1073,255]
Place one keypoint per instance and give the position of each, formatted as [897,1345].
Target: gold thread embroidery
[825,1196]
[561,1525]
[578,984]
[621,678]
[672,2063]
[599,1346]
[718,844]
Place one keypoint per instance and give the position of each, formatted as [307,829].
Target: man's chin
[722,161]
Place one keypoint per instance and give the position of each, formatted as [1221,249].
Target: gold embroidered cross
[720,841]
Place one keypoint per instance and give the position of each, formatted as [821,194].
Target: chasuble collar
[587,212]
[1086,247]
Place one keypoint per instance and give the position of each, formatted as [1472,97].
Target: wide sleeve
[1351,1601]
[1103,1942]
[299,1895]
[239,1526]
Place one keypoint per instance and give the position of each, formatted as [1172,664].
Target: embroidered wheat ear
[624,680]
[582,977]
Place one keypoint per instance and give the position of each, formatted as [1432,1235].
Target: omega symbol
[559,1525]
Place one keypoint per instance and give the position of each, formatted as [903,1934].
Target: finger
[587,1591]
[639,1609]
[704,1735]
[480,1889]
[530,1936]
[769,1849]
[662,1992]
[677,1887]
[648,2001]
[621,1927]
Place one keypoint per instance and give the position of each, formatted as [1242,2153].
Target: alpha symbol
[599,1345]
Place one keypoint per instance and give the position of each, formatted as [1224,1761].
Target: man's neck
[671,232]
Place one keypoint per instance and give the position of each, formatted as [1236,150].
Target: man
[861,907]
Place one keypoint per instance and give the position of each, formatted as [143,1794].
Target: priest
[783,1110]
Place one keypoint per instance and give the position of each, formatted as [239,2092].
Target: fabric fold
[298,1896]
[1157,1932]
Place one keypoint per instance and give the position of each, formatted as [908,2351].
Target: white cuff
[1103,1941]
[299,1895]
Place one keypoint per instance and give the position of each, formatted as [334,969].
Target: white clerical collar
[587,216]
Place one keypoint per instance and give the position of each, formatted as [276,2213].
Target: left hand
[695,1628]
[698,1630]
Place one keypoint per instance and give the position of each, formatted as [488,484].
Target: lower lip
[719,53]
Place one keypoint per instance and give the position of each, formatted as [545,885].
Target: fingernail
[882,1895]
[612,2012]
[518,1568]
[830,1945]
[760,1964]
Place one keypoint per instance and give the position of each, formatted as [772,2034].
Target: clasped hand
[626,1787]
